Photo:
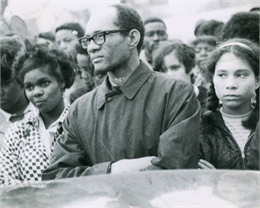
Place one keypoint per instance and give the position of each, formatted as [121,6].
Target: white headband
[238,44]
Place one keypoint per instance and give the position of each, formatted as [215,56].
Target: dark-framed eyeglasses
[99,38]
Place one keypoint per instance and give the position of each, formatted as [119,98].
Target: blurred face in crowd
[11,94]
[83,63]
[67,42]
[114,53]
[154,33]
[44,91]
[235,84]
[99,78]
[203,51]
[174,67]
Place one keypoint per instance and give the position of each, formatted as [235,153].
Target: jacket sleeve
[179,143]
[69,159]
[9,160]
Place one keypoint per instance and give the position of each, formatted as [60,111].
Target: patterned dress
[23,156]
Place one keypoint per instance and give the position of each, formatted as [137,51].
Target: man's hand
[131,165]
[203,164]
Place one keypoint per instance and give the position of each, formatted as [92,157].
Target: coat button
[109,99]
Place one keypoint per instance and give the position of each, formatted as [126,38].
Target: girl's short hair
[184,53]
[56,61]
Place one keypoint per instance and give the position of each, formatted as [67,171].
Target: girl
[230,133]
[29,143]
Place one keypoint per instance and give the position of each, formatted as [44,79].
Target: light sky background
[180,15]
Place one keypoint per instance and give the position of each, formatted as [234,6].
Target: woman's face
[174,67]
[235,84]
[43,90]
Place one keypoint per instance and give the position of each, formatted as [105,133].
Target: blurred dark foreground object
[168,188]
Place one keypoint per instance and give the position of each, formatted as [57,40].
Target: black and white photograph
[129,104]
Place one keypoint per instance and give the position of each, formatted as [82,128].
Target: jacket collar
[130,88]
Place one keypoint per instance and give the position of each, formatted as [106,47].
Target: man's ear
[134,38]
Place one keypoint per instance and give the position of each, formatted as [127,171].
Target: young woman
[230,131]
[28,144]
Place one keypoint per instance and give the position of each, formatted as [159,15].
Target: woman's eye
[45,83]
[67,40]
[222,75]
[241,75]
[29,88]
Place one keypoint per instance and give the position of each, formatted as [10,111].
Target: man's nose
[156,37]
[93,46]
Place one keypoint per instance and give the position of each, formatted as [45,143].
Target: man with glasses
[136,119]
[155,32]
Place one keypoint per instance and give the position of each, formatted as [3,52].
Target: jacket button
[109,99]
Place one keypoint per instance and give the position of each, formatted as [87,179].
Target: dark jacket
[150,115]
[219,147]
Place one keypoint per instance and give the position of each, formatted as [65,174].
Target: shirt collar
[129,88]
[34,117]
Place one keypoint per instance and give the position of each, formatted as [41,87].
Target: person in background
[99,77]
[203,46]
[230,133]
[29,143]
[86,72]
[66,39]
[155,32]
[177,60]
[45,38]
[208,27]
[242,25]
[14,104]
[136,119]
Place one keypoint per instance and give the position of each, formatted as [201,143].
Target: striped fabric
[234,124]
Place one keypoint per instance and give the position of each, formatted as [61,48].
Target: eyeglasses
[98,38]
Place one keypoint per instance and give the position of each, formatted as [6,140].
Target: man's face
[67,42]
[114,52]
[154,33]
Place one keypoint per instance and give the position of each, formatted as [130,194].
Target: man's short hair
[73,26]
[154,19]
[129,19]
[209,39]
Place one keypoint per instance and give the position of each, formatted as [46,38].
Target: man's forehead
[63,33]
[101,20]
[154,26]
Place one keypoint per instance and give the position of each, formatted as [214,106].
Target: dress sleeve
[9,157]
[179,142]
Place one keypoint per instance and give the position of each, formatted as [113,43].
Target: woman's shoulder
[209,121]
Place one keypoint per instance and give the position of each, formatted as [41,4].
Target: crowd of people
[120,96]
